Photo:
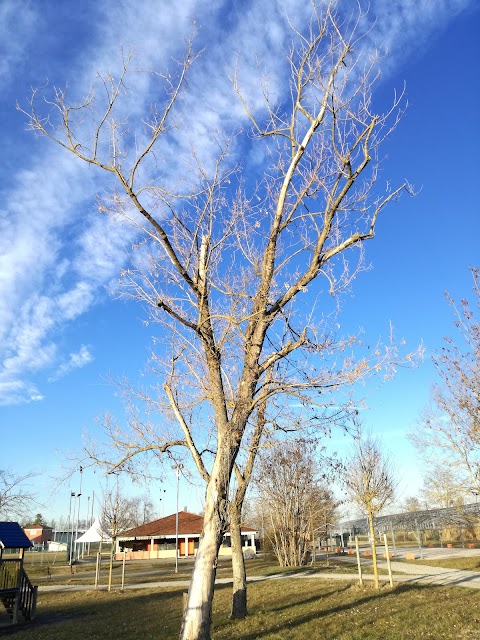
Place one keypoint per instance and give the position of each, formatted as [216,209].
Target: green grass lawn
[160,570]
[279,610]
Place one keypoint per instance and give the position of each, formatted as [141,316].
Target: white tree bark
[198,613]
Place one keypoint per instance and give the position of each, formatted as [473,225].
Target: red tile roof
[188,523]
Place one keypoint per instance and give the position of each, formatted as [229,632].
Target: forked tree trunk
[197,617]
[374,548]
[239,592]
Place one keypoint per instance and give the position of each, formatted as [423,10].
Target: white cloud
[56,252]
[18,392]
[75,361]
[17,22]
[402,27]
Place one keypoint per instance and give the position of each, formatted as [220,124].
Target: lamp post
[177,468]
[70,527]
[87,525]
[78,496]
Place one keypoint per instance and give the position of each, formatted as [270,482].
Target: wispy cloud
[18,392]
[17,22]
[403,27]
[57,253]
[75,361]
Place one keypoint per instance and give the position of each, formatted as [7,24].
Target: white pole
[123,569]
[393,539]
[97,569]
[387,555]
[176,523]
[70,528]
[78,510]
[360,579]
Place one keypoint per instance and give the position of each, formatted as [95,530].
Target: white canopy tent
[94,534]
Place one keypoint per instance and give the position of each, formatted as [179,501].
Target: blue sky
[62,335]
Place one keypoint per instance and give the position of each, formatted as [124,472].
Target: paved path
[426,574]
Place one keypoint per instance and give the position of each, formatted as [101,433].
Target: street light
[70,527]
[177,468]
[78,496]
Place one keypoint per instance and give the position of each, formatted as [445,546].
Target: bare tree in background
[448,432]
[17,496]
[294,501]
[441,487]
[369,478]
[324,515]
[117,514]
[411,503]
[225,262]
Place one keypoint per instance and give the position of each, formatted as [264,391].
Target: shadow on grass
[297,621]
[79,615]
[42,620]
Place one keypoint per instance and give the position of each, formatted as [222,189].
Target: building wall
[39,535]
[158,554]
[163,547]
[227,551]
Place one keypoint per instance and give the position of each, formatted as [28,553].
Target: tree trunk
[197,617]
[239,594]
[374,549]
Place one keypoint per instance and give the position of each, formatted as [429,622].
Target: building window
[166,544]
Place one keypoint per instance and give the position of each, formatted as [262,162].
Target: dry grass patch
[135,572]
[295,610]
[260,567]
[280,610]
[464,563]
[144,571]
[133,615]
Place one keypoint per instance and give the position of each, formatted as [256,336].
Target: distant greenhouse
[460,522]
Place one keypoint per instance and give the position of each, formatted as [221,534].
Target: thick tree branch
[188,436]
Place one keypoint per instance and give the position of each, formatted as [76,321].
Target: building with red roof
[39,534]
[157,539]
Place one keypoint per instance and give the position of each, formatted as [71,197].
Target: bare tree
[117,514]
[441,487]
[17,496]
[294,501]
[370,481]
[224,266]
[448,431]
[411,503]
[145,509]
[324,514]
